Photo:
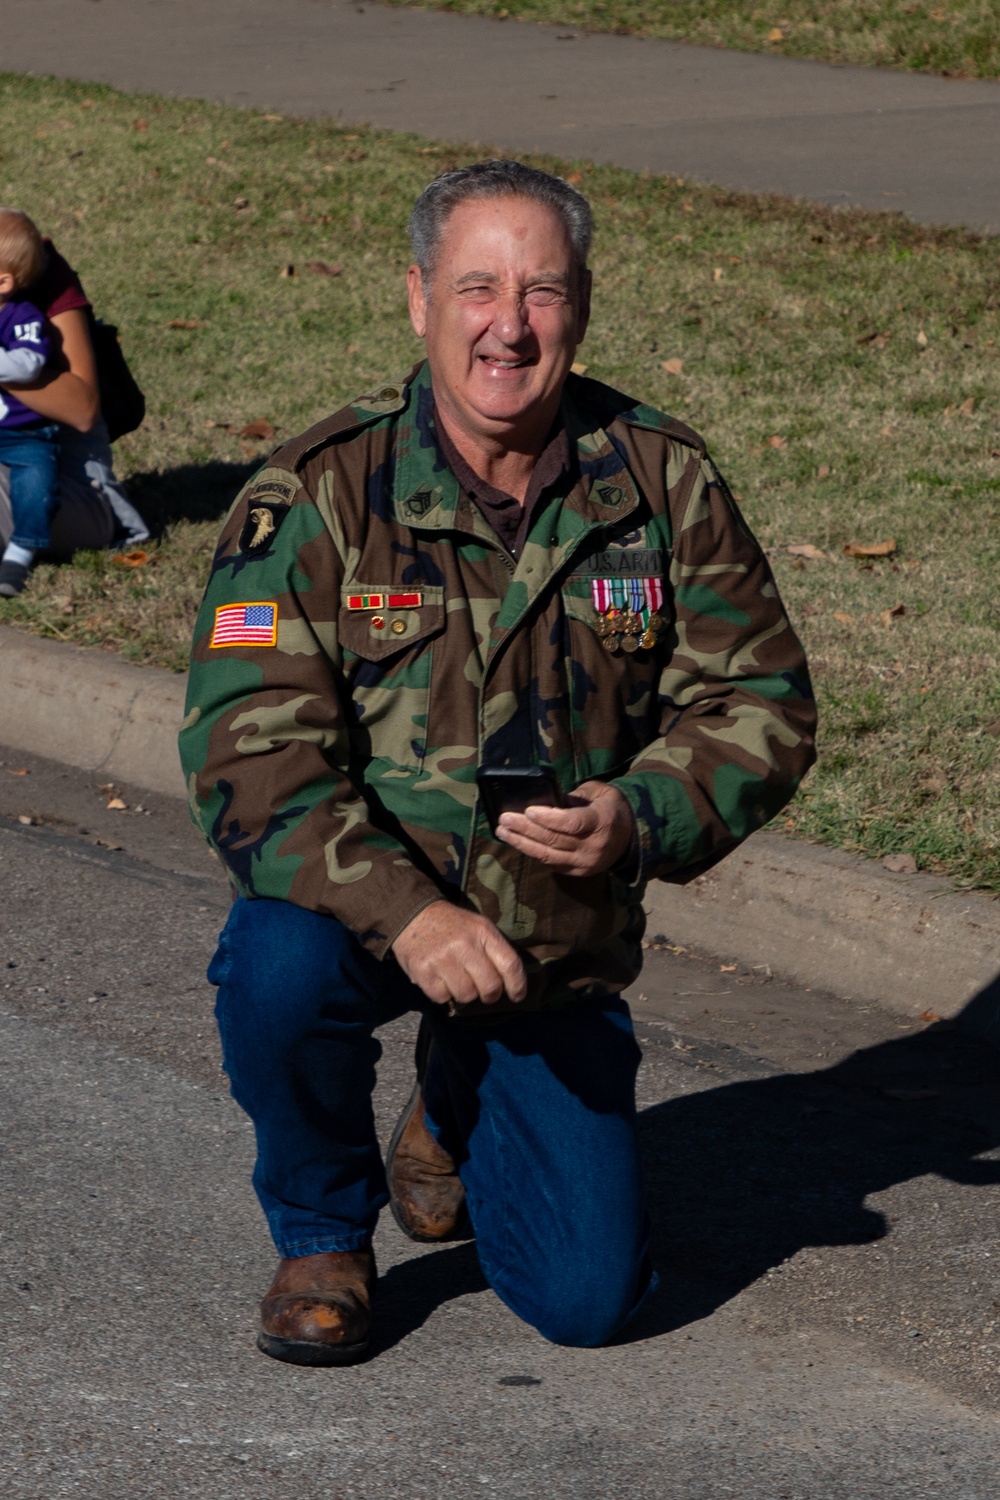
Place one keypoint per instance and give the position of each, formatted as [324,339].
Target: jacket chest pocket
[388,655]
[613,683]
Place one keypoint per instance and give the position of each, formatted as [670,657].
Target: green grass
[960,39]
[770,306]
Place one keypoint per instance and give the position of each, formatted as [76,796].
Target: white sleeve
[20,364]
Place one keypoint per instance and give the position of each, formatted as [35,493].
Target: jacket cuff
[380,944]
[670,835]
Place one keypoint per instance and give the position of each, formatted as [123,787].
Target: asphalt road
[883,139]
[824,1181]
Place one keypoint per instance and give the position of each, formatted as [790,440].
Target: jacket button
[397,627]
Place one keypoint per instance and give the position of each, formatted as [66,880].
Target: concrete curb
[835,921]
[820,917]
[91,709]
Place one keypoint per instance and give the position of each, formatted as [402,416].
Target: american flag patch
[245,625]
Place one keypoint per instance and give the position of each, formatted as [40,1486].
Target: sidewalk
[885,140]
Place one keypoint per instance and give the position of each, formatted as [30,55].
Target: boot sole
[306,1352]
[463,1224]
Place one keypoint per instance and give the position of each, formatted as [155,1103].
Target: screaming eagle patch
[264,519]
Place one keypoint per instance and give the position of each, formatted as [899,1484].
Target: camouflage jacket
[366,641]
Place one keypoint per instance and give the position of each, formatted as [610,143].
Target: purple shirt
[22,334]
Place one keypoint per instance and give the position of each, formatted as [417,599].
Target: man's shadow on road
[740,1178]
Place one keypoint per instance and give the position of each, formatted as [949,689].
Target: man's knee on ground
[580,1311]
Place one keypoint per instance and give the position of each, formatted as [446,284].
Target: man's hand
[580,840]
[453,954]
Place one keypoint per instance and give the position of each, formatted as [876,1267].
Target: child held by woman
[28,443]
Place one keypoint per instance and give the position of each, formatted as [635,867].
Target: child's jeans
[30,453]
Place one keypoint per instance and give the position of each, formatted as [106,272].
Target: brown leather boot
[318,1308]
[425,1193]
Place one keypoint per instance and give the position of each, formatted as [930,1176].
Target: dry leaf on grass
[887,616]
[261,428]
[579,369]
[324,268]
[776,441]
[876,340]
[929,1016]
[117,805]
[575,178]
[993,729]
[717,273]
[823,472]
[23,818]
[185,323]
[776,34]
[843,619]
[900,864]
[140,124]
[922,339]
[871,549]
[21,771]
[137,558]
[672,366]
[807,550]
[287,272]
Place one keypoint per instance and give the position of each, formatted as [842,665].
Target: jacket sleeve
[266,740]
[737,716]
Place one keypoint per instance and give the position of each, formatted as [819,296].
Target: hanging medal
[600,593]
[652,589]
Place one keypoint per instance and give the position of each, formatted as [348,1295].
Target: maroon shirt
[58,289]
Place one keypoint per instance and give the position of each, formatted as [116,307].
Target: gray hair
[496,179]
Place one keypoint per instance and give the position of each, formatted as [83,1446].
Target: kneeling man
[492,566]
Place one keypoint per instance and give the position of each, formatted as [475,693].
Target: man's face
[502,316]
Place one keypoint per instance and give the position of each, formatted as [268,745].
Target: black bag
[123,406]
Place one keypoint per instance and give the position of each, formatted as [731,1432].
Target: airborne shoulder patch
[263,522]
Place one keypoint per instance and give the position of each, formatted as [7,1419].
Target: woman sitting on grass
[93,511]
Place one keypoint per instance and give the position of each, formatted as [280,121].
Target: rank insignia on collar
[264,520]
[629,612]
[412,599]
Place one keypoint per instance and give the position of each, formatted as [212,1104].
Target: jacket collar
[426,492]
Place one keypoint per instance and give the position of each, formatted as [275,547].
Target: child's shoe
[13,577]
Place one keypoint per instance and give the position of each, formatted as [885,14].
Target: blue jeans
[538,1110]
[30,453]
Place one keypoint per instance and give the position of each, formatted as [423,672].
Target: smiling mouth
[495,362]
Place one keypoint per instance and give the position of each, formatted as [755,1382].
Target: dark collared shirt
[510,519]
